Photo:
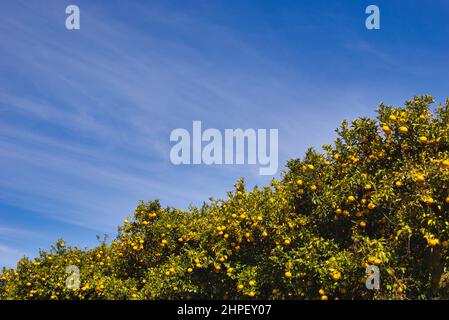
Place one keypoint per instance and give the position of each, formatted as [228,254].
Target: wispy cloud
[112,142]
[6,231]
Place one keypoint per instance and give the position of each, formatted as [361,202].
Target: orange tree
[377,196]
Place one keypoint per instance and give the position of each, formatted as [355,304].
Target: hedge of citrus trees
[378,196]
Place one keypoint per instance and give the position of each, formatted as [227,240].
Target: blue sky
[85,115]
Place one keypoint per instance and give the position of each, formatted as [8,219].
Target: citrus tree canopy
[378,196]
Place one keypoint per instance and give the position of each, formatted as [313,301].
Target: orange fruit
[403,129]
[432,242]
[386,129]
[420,178]
[428,200]
[423,139]
[336,275]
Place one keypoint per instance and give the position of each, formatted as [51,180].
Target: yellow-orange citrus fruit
[403,129]
[423,139]
[386,129]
